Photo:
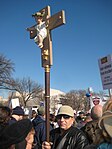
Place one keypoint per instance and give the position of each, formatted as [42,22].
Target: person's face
[96,102]
[38,19]
[20,117]
[65,121]
[34,115]
[81,115]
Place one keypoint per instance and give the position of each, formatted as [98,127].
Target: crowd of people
[68,130]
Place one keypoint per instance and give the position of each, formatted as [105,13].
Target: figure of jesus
[40,28]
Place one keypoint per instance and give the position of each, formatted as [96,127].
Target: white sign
[90,90]
[15,102]
[105,65]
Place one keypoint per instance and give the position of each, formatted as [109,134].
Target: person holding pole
[66,136]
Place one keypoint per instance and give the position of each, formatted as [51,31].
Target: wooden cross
[51,22]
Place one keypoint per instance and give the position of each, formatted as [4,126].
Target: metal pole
[110,93]
[47,100]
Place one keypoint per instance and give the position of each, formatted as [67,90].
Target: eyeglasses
[63,115]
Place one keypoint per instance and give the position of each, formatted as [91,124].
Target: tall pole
[110,93]
[47,100]
[51,22]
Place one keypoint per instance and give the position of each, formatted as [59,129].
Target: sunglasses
[63,115]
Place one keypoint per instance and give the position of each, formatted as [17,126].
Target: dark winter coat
[75,139]
[39,126]
[12,120]
[93,132]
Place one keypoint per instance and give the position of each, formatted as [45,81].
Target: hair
[108,105]
[5,114]
[34,112]
[96,112]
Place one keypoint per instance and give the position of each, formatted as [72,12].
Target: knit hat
[66,110]
[106,122]
[18,111]
[15,133]
[41,110]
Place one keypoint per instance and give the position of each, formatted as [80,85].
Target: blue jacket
[39,126]
[40,131]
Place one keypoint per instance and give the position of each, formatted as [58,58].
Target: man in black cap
[17,114]
[15,133]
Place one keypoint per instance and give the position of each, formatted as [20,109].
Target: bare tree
[26,90]
[6,69]
[76,99]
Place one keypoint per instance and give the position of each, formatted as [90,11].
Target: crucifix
[51,22]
